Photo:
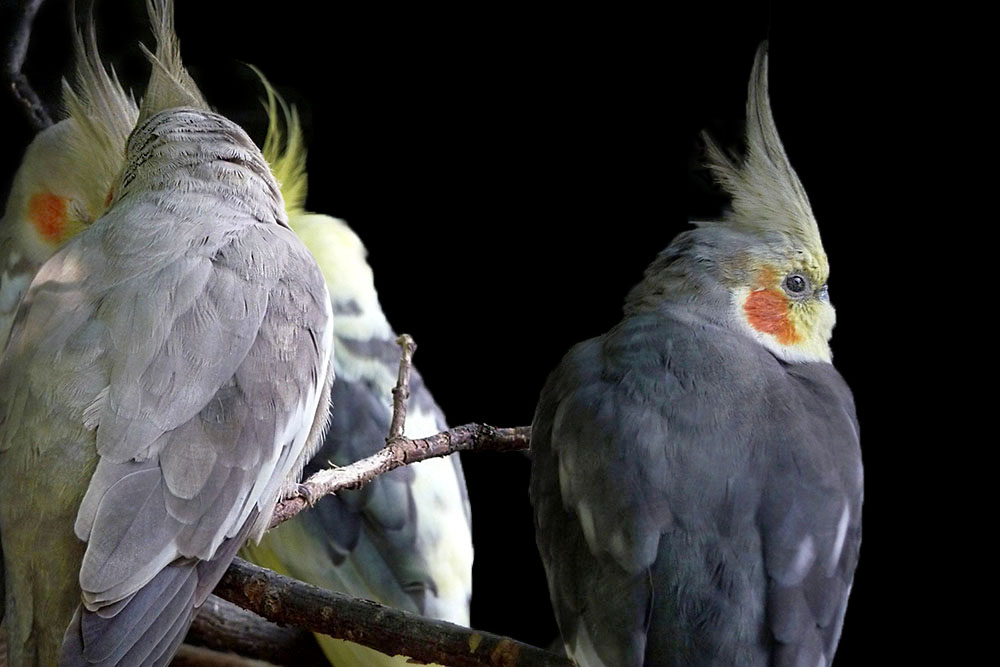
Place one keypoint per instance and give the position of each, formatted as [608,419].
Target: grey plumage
[405,539]
[696,475]
[167,376]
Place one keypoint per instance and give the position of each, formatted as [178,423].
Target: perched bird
[696,476]
[166,378]
[405,539]
[65,181]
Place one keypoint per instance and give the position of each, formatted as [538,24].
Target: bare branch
[401,392]
[402,451]
[390,631]
[384,629]
[222,626]
[17,51]
[196,656]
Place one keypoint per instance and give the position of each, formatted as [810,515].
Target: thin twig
[401,452]
[390,631]
[401,392]
[17,51]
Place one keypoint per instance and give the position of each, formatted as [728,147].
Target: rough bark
[391,631]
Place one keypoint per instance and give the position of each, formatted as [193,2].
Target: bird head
[761,269]
[66,179]
[778,279]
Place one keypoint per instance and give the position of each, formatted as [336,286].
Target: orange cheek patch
[48,214]
[767,312]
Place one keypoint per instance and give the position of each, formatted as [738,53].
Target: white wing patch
[838,543]
[297,431]
[582,650]
[805,556]
[446,538]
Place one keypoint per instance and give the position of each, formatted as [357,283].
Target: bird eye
[795,283]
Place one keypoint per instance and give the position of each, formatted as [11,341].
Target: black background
[513,169]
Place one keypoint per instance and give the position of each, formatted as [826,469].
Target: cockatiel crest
[780,293]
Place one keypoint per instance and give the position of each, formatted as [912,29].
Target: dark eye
[795,283]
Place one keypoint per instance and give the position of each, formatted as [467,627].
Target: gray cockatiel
[166,378]
[697,478]
[404,540]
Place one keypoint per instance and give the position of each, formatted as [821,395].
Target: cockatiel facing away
[404,540]
[697,478]
[166,377]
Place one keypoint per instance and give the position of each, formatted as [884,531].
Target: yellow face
[53,218]
[788,310]
[52,198]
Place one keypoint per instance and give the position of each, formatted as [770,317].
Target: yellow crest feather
[767,195]
[285,150]
[170,85]
[101,115]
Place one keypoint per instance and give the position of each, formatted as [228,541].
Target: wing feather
[212,383]
[708,506]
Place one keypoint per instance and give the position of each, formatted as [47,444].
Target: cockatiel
[52,198]
[404,540]
[697,476]
[167,376]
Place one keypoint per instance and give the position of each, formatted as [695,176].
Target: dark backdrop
[512,170]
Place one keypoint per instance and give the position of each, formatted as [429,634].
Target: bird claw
[306,491]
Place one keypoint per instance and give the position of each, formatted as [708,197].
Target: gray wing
[811,521]
[670,530]
[381,518]
[200,375]
[597,535]
[375,542]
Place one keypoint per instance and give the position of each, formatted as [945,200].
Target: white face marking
[811,349]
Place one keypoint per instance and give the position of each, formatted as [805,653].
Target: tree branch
[223,626]
[17,51]
[401,451]
[393,632]
[390,631]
